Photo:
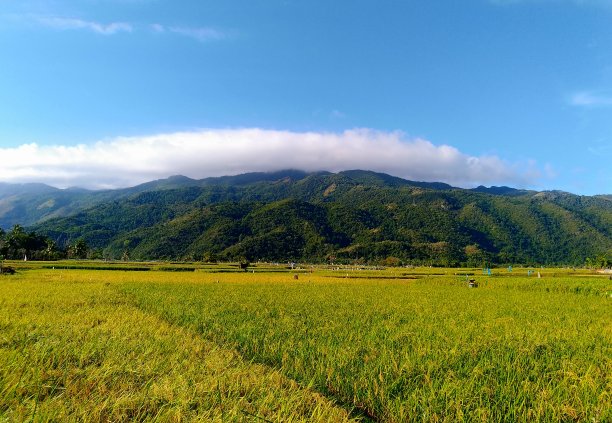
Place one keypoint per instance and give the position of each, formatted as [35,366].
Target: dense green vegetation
[28,204]
[19,244]
[353,216]
[395,345]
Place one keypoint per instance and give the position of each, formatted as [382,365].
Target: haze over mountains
[293,215]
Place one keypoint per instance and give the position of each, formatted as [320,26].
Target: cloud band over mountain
[128,161]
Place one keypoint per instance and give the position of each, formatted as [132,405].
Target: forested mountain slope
[347,216]
[29,204]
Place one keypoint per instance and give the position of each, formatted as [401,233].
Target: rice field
[215,344]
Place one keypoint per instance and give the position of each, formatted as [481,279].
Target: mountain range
[342,217]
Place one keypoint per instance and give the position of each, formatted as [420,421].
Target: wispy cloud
[201,34]
[590,99]
[337,114]
[74,23]
[157,28]
[132,160]
[602,148]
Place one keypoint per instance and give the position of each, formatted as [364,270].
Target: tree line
[19,244]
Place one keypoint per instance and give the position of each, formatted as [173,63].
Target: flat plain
[188,342]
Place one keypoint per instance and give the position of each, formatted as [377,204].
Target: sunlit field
[184,342]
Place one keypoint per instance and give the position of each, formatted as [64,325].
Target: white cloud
[550,171]
[128,161]
[73,23]
[602,148]
[201,34]
[337,114]
[158,28]
[590,99]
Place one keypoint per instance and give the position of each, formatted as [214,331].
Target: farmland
[81,341]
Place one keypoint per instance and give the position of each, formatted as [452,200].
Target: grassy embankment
[228,346]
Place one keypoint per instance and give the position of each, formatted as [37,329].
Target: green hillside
[353,216]
[29,204]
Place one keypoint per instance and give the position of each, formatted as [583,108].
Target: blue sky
[105,93]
